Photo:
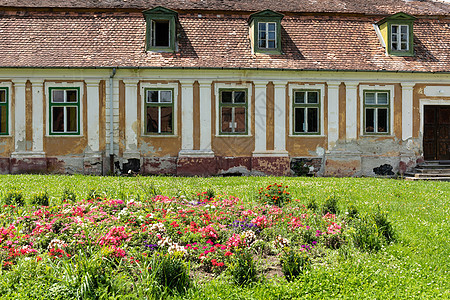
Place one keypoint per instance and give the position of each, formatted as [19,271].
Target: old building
[336,88]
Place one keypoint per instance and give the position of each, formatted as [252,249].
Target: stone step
[427,178]
[420,175]
[432,171]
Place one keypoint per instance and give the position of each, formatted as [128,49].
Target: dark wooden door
[436,136]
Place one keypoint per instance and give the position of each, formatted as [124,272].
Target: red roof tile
[75,39]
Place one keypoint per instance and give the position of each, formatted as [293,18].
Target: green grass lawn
[417,265]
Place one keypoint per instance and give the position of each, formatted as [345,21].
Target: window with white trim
[159,111]
[400,37]
[306,110]
[376,112]
[267,35]
[64,110]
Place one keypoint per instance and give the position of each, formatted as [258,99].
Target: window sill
[233,135]
[65,135]
[307,135]
[146,135]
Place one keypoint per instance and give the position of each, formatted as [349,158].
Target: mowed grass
[417,265]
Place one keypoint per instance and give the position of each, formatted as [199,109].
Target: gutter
[111,122]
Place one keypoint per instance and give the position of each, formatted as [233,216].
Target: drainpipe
[111,122]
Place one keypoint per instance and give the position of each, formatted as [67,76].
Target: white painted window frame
[375,88]
[266,29]
[160,86]
[66,85]
[398,34]
[233,85]
[291,89]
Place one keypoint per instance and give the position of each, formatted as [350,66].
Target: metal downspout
[111,122]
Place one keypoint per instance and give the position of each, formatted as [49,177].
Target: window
[396,34]
[267,35]
[233,111]
[400,37]
[64,111]
[161,29]
[376,112]
[306,109]
[4,111]
[159,111]
[265,31]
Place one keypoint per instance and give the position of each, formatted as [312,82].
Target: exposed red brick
[28,165]
[159,166]
[195,166]
[276,166]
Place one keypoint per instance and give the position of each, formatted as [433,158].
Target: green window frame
[4,111]
[159,111]
[400,37]
[377,112]
[233,111]
[64,110]
[266,26]
[160,29]
[306,112]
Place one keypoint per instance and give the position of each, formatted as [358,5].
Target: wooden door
[436,136]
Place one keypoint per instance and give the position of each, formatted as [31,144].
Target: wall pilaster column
[351,108]
[187,115]
[205,115]
[279,117]
[92,123]
[19,116]
[260,116]
[37,87]
[333,113]
[131,128]
[407,110]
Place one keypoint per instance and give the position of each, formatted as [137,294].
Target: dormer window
[396,32]
[161,29]
[265,32]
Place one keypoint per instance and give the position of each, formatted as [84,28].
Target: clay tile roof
[75,38]
[415,7]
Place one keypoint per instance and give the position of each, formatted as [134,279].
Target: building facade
[229,88]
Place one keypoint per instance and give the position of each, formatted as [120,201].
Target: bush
[275,194]
[40,199]
[69,195]
[330,206]
[293,263]
[242,268]
[172,272]
[312,204]
[352,212]
[14,198]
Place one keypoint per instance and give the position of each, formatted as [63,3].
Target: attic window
[265,32]
[161,29]
[397,34]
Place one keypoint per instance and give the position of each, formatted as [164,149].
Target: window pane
[299,97]
[271,35]
[226,125]
[404,46]
[72,119]
[404,29]
[58,119]
[262,27]
[71,96]
[382,98]
[382,120]
[394,28]
[58,96]
[152,96]
[271,26]
[161,33]
[239,97]
[313,119]
[152,119]
[166,119]
[394,38]
[404,38]
[165,97]
[370,98]
[3,119]
[239,118]
[227,97]
[370,118]
[313,97]
[262,43]
[299,119]
[271,44]
[395,46]
[2,96]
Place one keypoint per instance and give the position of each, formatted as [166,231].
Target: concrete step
[427,178]
[432,171]
[419,175]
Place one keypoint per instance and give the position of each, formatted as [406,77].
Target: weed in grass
[365,235]
[383,225]
[330,206]
[312,204]
[14,198]
[242,267]
[171,271]
[293,263]
[40,199]
[68,195]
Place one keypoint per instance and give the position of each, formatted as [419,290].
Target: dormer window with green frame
[397,34]
[161,29]
[265,31]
